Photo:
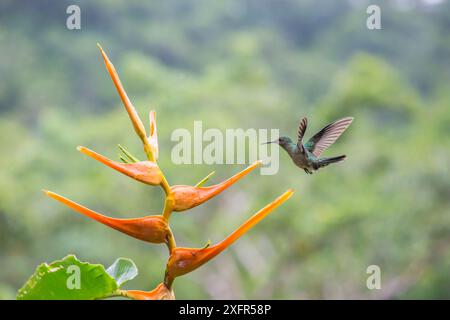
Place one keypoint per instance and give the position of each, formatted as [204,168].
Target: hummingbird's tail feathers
[326,161]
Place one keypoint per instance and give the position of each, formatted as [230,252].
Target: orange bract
[152,229]
[161,292]
[187,197]
[144,171]
[184,260]
[153,137]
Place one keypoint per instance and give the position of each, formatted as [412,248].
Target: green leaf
[68,279]
[122,270]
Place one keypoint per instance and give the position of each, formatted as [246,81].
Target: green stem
[168,207]
[168,282]
[171,244]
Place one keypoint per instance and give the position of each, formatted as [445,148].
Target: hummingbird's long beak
[274,141]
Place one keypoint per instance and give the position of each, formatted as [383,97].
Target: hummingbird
[307,155]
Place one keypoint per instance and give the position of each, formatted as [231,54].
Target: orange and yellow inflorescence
[155,228]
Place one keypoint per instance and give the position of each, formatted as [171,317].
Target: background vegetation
[234,64]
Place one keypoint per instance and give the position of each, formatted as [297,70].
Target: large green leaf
[122,270]
[68,279]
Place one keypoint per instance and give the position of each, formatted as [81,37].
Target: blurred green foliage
[233,64]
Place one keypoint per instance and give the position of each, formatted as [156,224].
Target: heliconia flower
[154,229]
[126,156]
[161,292]
[187,197]
[184,260]
[205,179]
[132,113]
[144,171]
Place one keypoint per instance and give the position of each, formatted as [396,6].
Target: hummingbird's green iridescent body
[307,156]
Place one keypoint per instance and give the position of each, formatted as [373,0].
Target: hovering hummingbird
[306,155]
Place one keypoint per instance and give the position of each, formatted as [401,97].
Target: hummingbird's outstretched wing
[301,131]
[327,136]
